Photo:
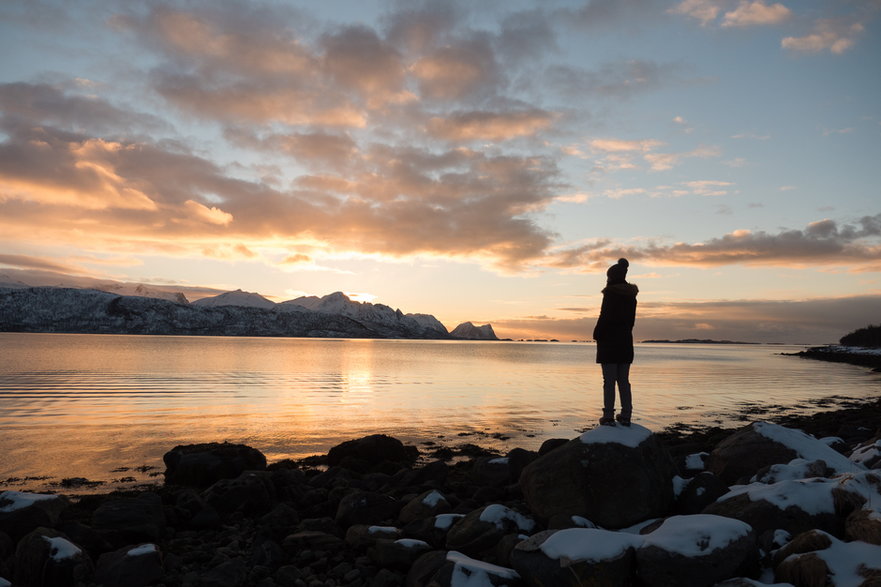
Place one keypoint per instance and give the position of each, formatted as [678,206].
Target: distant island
[235,313]
[696,341]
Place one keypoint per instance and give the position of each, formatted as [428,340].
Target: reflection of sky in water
[82,405]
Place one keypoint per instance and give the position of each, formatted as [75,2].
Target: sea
[82,412]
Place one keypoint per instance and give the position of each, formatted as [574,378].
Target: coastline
[861,356]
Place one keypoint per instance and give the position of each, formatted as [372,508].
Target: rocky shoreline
[864,357]
[612,506]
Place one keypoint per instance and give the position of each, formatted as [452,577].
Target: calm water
[96,406]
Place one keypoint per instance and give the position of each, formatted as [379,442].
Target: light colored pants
[616,373]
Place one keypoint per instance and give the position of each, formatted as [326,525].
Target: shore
[864,357]
[363,515]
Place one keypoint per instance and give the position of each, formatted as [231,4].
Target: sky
[479,161]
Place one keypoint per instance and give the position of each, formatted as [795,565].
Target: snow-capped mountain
[238,297]
[144,291]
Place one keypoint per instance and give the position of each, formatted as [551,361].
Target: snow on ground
[444,521]
[433,498]
[794,469]
[497,513]
[142,550]
[499,461]
[61,548]
[16,500]
[469,572]
[697,534]
[695,462]
[631,436]
[864,454]
[807,447]
[588,544]
[845,559]
[4,583]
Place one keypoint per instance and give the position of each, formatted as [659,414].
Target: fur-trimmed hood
[622,289]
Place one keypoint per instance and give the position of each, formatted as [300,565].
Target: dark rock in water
[701,491]
[373,449]
[252,492]
[201,465]
[556,564]
[469,331]
[481,530]
[613,476]
[697,551]
[46,558]
[130,566]
[744,453]
[130,520]
[366,507]
[22,512]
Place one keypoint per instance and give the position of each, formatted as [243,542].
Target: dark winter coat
[614,330]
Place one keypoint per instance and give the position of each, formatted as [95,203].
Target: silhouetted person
[614,337]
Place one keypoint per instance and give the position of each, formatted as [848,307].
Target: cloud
[489,126]
[756,13]
[465,70]
[40,263]
[830,35]
[614,79]
[825,242]
[621,145]
[705,11]
[667,161]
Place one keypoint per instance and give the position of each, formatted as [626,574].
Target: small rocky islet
[617,505]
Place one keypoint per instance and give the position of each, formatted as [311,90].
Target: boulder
[426,505]
[46,558]
[695,550]
[433,530]
[449,569]
[761,444]
[22,512]
[201,465]
[518,458]
[550,444]
[366,507]
[362,536]
[491,471]
[615,476]
[400,554]
[252,493]
[130,566]
[481,530]
[864,525]
[868,455]
[279,522]
[577,556]
[794,469]
[700,492]
[831,562]
[130,520]
[373,449]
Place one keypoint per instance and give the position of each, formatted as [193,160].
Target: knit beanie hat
[618,271]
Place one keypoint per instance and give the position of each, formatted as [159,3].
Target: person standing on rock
[614,338]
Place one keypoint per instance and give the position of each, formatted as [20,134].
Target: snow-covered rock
[22,512]
[48,557]
[245,299]
[868,455]
[614,476]
[130,566]
[482,529]
[454,569]
[833,563]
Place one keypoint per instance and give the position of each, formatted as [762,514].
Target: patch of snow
[698,534]
[61,548]
[781,538]
[679,485]
[631,436]
[236,298]
[588,544]
[433,498]
[4,583]
[499,461]
[16,500]
[700,491]
[497,513]
[444,521]
[807,447]
[794,469]
[412,543]
[853,350]
[142,550]
[864,454]
[582,522]
[468,572]
[845,559]
[830,440]
[813,496]
[382,530]
[695,462]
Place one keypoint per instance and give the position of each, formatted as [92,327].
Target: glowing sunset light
[480,163]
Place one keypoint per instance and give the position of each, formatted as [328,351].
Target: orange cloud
[490,126]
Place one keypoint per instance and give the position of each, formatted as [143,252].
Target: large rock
[614,476]
[868,454]
[130,566]
[426,505]
[577,556]
[831,562]
[482,529]
[130,520]
[399,553]
[373,450]
[864,525]
[762,444]
[201,465]
[695,550]
[22,512]
[252,492]
[46,558]
[366,507]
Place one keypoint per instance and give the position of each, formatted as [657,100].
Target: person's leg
[610,375]
[623,378]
